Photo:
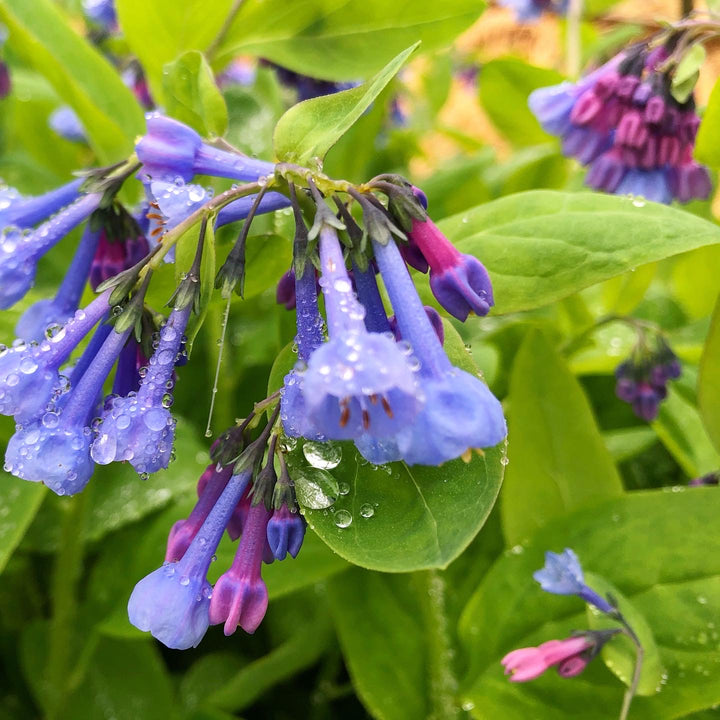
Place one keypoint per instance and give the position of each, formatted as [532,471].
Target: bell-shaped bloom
[357,382]
[24,212]
[19,251]
[285,532]
[29,373]
[240,597]
[65,122]
[171,149]
[139,427]
[173,602]
[58,310]
[569,655]
[459,412]
[55,448]
[459,282]
[563,575]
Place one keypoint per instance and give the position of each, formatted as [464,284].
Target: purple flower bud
[114,256]
[240,597]
[285,532]
[285,292]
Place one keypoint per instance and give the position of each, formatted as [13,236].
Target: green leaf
[309,129]
[19,502]
[379,622]
[628,442]
[544,245]
[558,461]
[397,518]
[709,380]
[192,95]
[81,76]
[160,31]
[342,39]
[671,577]
[707,148]
[505,84]
[620,654]
[687,73]
[681,430]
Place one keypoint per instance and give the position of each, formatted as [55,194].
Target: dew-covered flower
[57,310]
[20,251]
[357,382]
[624,123]
[459,282]
[55,449]
[25,212]
[139,427]
[286,527]
[171,149]
[563,575]
[173,602]
[29,373]
[459,412]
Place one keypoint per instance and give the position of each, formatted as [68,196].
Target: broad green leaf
[192,95]
[709,380]
[694,281]
[680,428]
[544,245]
[671,577]
[620,654]
[558,461]
[342,39]
[622,294]
[628,442]
[268,257]
[208,674]
[19,502]
[160,31]
[309,129]
[81,76]
[505,84]
[397,518]
[707,148]
[379,621]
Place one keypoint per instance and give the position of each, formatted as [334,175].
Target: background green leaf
[709,380]
[707,149]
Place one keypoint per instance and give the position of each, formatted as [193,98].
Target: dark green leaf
[19,502]
[558,460]
[687,73]
[309,129]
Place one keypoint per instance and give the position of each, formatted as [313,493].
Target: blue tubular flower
[357,382]
[459,413]
[19,252]
[376,319]
[563,575]
[239,209]
[24,212]
[56,311]
[173,602]
[65,122]
[171,149]
[139,427]
[285,532]
[55,449]
[101,12]
[29,373]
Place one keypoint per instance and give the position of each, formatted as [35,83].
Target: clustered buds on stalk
[629,124]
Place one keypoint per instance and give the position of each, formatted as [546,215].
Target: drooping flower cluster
[563,575]
[307,87]
[396,400]
[623,122]
[642,379]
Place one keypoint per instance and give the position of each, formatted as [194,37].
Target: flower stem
[639,656]
[224,29]
[441,678]
[572,38]
[66,573]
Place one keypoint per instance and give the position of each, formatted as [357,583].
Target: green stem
[573,38]
[224,29]
[441,678]
[640,326]
[639,656]
[66,574]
